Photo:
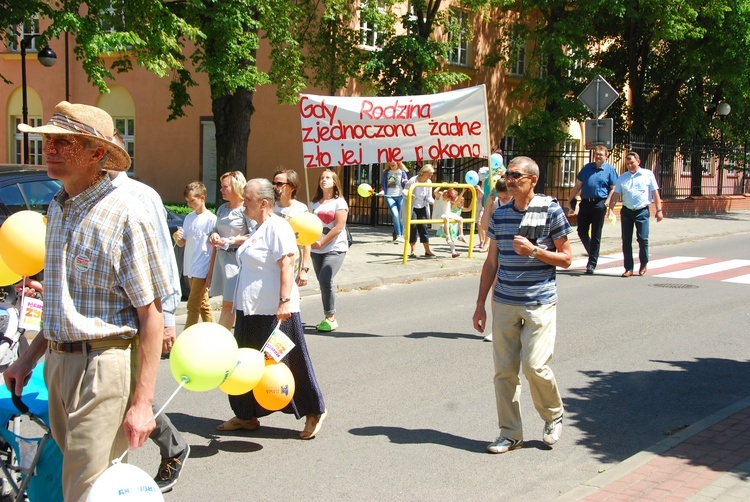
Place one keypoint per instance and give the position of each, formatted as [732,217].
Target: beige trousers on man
[523,339]
[88,397]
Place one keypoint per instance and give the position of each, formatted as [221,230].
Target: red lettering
[390,154]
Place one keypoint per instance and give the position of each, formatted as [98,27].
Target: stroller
[32,466]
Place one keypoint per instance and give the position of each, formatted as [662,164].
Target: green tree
[554,36]
[153,34]
[415,62]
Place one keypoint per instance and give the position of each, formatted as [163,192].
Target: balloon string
[182,384]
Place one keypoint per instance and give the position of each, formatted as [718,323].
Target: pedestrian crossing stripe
[674,267]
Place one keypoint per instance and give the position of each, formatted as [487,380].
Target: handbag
[349,239]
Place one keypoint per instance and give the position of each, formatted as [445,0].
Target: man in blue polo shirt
[595,183]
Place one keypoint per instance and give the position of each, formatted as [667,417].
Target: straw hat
[88,121]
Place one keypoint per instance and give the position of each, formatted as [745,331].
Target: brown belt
[89,345]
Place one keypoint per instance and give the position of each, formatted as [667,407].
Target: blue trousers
[394,205]
[628,219]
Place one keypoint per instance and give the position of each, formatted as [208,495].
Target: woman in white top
[329,251]
[420,204]
[232,228]
[287,184]
[266,296]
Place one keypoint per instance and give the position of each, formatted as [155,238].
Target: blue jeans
[394,205]
[639,219]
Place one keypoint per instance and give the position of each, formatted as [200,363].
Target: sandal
[235,423]
[430,255]
[412,256]
[313,424]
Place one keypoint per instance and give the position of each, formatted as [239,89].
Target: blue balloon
[472,178]
[496,160]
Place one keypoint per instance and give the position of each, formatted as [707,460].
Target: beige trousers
[88,398]
[523,339]
[198,304]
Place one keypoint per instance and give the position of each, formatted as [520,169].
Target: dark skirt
[252,331]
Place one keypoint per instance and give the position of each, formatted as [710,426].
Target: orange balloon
[276,388]
[307,228]
[7,276]
[22,242]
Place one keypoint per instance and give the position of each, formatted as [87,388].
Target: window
[126,128]
[24,31]
[707,162]
[459,38]
[517,58]
[36,143]
[111,21]
[39,194]
[507,146]
[570,163]
[372,36]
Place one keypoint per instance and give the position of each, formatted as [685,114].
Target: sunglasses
[279,184]
[517,175]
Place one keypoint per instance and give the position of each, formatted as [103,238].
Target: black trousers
[591,220]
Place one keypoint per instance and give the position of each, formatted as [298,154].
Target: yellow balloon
[364,190]
[307,228]
[205,353]
[247,374]
[22,242]
[276,389]
[7,276]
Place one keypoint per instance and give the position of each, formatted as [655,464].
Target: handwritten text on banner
[342,131]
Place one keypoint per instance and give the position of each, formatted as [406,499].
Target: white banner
[342,131]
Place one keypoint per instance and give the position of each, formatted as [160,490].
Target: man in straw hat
[103,279]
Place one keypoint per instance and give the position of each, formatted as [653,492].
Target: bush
[183,210]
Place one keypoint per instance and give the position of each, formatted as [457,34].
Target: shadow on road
[621,413]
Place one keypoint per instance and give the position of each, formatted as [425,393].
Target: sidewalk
[710,460]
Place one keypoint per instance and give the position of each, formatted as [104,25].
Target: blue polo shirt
[597,180]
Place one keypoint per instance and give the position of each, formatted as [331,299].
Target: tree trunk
[232,113]
[696,171]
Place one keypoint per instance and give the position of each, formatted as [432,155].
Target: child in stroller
[31,466]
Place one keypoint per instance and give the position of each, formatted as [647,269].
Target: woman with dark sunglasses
[286,183]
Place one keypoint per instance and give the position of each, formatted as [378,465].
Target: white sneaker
[487,338]
[400,239]
[552,431]
[504,445]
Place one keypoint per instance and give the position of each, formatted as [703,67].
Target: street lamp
[722,110]
[48,58]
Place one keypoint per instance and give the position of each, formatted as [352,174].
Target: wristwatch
[284,299]
[534,252]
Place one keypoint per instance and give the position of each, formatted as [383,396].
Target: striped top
[523,280]
[101,263]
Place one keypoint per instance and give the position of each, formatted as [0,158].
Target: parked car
[23,188]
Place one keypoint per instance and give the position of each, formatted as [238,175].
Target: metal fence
[672,164]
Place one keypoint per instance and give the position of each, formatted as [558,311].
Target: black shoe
[169,470]
[589,271]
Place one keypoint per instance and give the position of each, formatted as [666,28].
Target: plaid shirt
[101,263]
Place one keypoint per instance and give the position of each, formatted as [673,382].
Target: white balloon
[124,482]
